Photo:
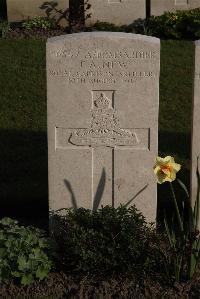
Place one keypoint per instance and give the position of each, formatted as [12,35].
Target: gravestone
[118,12]
[19,10]
[158,7]
[196,124]
[103,97]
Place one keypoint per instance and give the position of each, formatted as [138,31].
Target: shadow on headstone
[100,190]
[73,198]
[52,11]
[98,195]
[74,15]
[135,196]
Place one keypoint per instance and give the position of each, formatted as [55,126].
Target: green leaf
[27,279]
[168,231]
[16,274]
[2,252]
[41,273]
[23,263]
[8,222]
[183,187]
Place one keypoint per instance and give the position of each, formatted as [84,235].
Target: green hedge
[106,241]
[179,25]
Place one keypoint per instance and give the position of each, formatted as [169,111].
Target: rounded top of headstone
[104,34]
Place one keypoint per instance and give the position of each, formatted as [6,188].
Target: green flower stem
[192,265]
[177,210]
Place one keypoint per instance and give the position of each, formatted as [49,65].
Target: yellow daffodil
[165,169]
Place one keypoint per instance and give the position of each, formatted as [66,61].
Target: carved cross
[103,137]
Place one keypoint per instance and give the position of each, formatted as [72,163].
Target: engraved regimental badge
[105,128]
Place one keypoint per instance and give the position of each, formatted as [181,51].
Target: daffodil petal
[168,179]
[176,166]
[160,177]
[159,161]
[156,169]
[167,159]
[173,175]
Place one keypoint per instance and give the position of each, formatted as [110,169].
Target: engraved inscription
[98,54]
[101,76]
[104,67]
[105,128]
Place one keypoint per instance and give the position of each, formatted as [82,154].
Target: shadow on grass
[175,144]
[23,175]
[3,10]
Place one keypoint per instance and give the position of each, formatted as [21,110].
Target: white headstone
[103,97]
[19,10]
[118,12]
[196,124]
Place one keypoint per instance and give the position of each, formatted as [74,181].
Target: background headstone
[103,97]
[19,10]
[118,12]
[196,124]
[158,7]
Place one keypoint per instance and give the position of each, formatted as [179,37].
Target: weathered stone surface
[158,7]
[196,124]
[119,12]
[103,96]
[19,10]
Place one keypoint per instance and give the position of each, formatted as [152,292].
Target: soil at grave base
[60,285]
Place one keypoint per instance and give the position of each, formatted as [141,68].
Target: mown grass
[23,144]
[176,84]
[23,141]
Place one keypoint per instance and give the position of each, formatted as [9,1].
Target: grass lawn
[23,141]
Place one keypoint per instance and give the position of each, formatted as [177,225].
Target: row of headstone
[118,12]
[103,103]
